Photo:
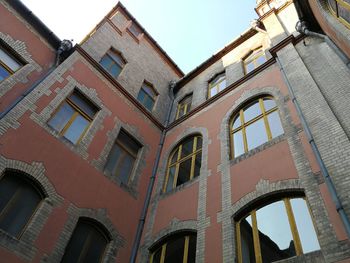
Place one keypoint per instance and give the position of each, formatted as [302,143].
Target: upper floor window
[217,84]
[254,60]
[184,106]
[113,62]
[255,124]
[134,29]
[8,63]
[176,248]
[87,243]
[19,199]
[276,231]
[73,117]
[184,162]
[341,9]
[122,157]
[147,96]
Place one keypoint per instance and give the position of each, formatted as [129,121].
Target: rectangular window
[134,30]
[8,63]
[73,117]
[122,157]
[254,60]
[147,96]
[184,106]
[113,62]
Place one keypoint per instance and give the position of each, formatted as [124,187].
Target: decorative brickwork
[24,246]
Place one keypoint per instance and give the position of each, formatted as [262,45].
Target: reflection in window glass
[73,117]
[273,236]
[184,163]
[261,123]
[180,248]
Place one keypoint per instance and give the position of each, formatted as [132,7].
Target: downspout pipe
[65,45]
[142,219]
[302,27]
[328,180]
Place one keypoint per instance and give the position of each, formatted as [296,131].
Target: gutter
[328,180]
[147,201]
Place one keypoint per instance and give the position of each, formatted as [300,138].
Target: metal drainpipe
[65,45]
[142,219]
[324,171]
[302,28]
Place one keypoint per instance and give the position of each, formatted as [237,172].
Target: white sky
[190,31]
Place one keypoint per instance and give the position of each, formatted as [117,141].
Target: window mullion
[245,142]
[193,157]
[10,203]
[162,256]
[293,226]
[257,250]
[267,126]
[239,241]
[185,256]
[69,123]
[177,166]
[10,71]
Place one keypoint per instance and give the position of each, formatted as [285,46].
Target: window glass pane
[84,105]
[344,13]
[115,70]
[113,159]
[184,172]
[332,3]
[149,90]
[191,256]
[174,157]
[117,58]
[238,143]
[187,147]
[3,73]
[236,122]
[96,247]
[347,1]
[126,140]
[181,112]
[213,91]
[197,164]
[305,226]
[21,209]
[256,134]
[61,117]
[170,178]
[252,111]
[275,124]
[222,85]
[249,67]
[149,103]
[141,96]
[175,250]
[247,242]
[8,60]
[125,167]
[134,30]
[8,187]
[260,60]
[269,104]
[76,129]
[276,240]
[199,142]
[106,62]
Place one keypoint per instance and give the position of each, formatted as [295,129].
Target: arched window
[176,248]
[276,231]
[19,199]
[184,162]
[217,85]
[255,124]
[341,10]
[254,60]
[87,243]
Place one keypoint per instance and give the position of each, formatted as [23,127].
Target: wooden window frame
[335,13]
[13,56]
[184,104]
[77,112]
[215,84]
[253,56]
[153,98]
[163,248]
[256,241]
[264,115]
[35,187]
[180,160]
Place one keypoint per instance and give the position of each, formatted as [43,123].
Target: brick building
[110,153]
